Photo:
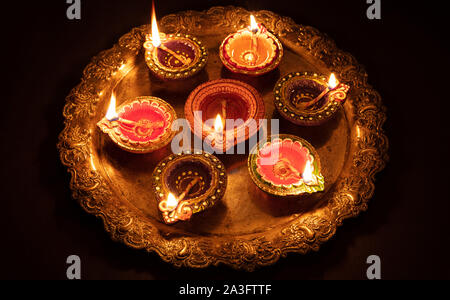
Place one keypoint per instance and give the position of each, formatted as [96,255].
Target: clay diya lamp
[286,166]
[251,51]
[173,56]
[309,99]
[224,112]
[186,184]
[142,125]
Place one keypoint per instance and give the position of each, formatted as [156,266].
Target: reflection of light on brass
[218,124]
[358,131]
[92,163]
[253,24]
[156,39]
[122,67]
[112,115]
[172,202]
[308,172]
[333,82]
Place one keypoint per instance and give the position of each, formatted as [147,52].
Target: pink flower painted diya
[188,184]
[251,51]
[286,166]
[173,56]
[140,126]
[309,99]
[221,100]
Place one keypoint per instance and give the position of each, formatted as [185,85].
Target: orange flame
[156,39]
[308,173]
[172,202]
[253,23]
[333,82]
[112,115]
[218,124]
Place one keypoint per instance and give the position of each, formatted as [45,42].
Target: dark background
[407,222]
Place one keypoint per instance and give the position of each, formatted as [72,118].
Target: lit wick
[251,56]
[332,84]
[219,129]
[284,169]
[307,175]
[172,202]
[255,30]
[156,40]
[142,128]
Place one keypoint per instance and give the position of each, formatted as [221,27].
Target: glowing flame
[112,115]
[156,39]
[172,202]
[333,82]
[218,124]
[308,173]
[253,24]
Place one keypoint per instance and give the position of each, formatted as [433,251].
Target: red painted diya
[210,104]
[309,99]
[251,51]
[188,184]
[286,166]
[140,126]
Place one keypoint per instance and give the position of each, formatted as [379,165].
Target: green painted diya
[286,165]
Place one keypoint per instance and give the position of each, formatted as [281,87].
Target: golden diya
[173,56]
[309,99]
[186,184]
[252,50]
[141,125]
[286,165]
[224,112]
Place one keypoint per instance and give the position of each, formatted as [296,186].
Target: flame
[253,24]
[172,202]
[218,124]
[156,39]
[333,82]
[308,173]
[112,115]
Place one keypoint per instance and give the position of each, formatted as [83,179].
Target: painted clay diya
[309,99]
[179,56]
[187,184]
[286,166]
[251,51]
[142,125]
[224,99]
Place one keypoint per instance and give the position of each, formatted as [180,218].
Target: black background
[406,57]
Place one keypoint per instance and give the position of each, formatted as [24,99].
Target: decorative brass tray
[248,228]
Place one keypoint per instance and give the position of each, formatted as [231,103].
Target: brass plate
[248,228]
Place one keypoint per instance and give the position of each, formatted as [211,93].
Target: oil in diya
[251,51]
[141,125]
[187,184]
[173,56]
[224,112]
[309,99]
[286,165]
